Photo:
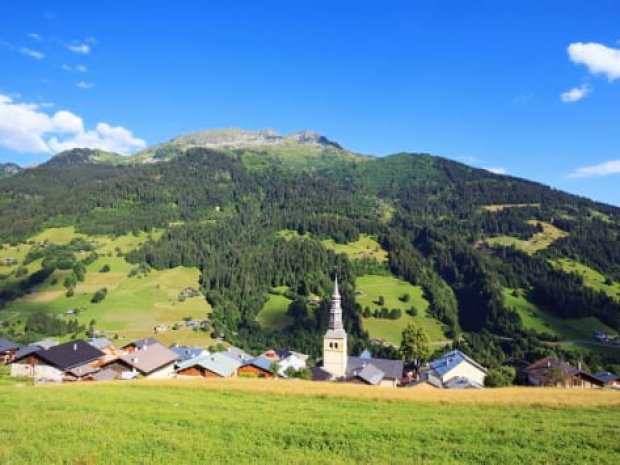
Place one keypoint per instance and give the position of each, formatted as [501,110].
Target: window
[335,345]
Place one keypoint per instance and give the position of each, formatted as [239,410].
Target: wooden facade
[256,371]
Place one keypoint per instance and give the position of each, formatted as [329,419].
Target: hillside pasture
[538,241]
[365,247]
[391,288]
[591,277]
[535,318]
[303,422]
[498,207]
[273,314]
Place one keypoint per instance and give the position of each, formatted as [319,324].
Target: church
[339,366]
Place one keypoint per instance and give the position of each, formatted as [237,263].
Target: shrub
[498,377]
[105,269]
[99,295]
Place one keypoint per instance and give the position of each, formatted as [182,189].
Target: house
[44,344]
[551,372]
[151,360]
[294,360]
[258,366]
[237,354]
[366,374]
[455,370]
[139,344]
[186,353]
[608,379]
[7,350]
[161,328]
[391,370]
[107,347]
[209,366]
[70,361]
[426,380]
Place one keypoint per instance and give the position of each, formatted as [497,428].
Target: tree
[415,346]
[273,369]
[105,268]
[405,297]
[290,372]
[499,377]
[99,295]
[381,301]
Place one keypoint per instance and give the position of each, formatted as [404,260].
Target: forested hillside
[255,217]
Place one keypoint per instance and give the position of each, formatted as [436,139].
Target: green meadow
[591,277]
[365,247]
[538,241]
[533,317]
[370,287]
[196,423]
[274,315]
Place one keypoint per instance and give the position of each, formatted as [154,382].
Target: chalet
[107,347]
[187,353]
[258,366]
[70,361]
[8,349]
[391,371]
[237,354]
[293,360]
[455,370]
[138,344]
[151,360]
[209,366]
[426,380]
[551,372]
[608,379]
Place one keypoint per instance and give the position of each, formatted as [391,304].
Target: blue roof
[217,363]
[260,362]
[140,343]
[451,360]
[237,354]
[5,345]
[366,355]
[187,353]
[606,376]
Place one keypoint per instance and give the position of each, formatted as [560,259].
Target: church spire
[335,313]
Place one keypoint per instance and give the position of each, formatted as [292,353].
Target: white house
[456,370]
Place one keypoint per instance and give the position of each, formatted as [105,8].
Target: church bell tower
[335,339]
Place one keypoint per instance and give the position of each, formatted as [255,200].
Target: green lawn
[391,288]
[365,247]
[538,241]
[591,277]
[169,424]
[273,314]
[537,319]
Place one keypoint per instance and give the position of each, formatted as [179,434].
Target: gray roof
[25,352]
[140,343]
[319,374]
[70,355]
[427,378]
[336,334]
[461,382]
[6,345]
[260,362]
[237,354]
[44,344]
[217,363]
[99,342]
[150,358]
[606,376]
[369,374]
[105,374]
[393,369]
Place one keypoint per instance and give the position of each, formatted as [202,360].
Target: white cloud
[85,85]
[35,36]
[598,58]
[25,127]
[497,170]
[67,68]
[575,94]
[80,49]
[31,53]
[81,68]
[602,169]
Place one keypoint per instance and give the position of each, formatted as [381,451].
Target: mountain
[500,266]
[9,169]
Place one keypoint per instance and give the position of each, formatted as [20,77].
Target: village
[97,359]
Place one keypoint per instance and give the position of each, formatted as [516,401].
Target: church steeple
[335,312]
[335,340]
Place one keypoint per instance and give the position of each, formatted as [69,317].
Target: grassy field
[498,207]
[537,319]
[133,305]
[538,241]
[273,314]
[365,247]
[391,288]
[591,278]
[252,421]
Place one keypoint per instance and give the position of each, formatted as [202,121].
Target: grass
[243,421]
[273,314]
[499,207]
[365,247]
[533,317]
[591,277]
[391,288]
[538,241]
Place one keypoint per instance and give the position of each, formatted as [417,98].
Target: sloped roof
[44,343]
[237,354]
[150,358]
[366,355]
[393,369]
[99,342]
[217,363]
[6,345]
[70,354]
[461,382]
[260,362]
[187,353]
[25,352]
[427,378]
[606,376]
[369,374]
[140,343]
[550,369]
[450,360]
[319,374]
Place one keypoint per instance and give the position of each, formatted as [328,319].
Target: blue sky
[529,88]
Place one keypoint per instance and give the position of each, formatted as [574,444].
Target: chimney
[579,366]
[75,346]
[548,363]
